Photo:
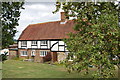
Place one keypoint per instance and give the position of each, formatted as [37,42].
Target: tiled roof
[48,30]
[13,46]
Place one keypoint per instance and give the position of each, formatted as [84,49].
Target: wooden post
[54,56]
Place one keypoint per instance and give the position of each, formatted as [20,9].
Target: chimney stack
[63,17]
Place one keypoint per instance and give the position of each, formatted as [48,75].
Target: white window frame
[44,42]
[23,43]
[24,53]
[43,53]
[33,53]
[34,42]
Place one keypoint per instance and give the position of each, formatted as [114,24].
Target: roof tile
[48,30]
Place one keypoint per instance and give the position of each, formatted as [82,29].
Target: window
[23,43]
[24,53]
[34,42]
[43,42]
[43,53]
[33,53]
[61,48]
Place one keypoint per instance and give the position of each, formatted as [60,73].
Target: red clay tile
[48,30]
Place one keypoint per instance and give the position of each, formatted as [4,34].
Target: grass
[20,69]
[0,70]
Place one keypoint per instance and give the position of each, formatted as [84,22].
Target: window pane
[34,42]
[23,43]
[33,53]
[44,42]
[23,53]
[43,53]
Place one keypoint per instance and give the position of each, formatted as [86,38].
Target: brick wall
[37,57]
[12,54]
[51,56]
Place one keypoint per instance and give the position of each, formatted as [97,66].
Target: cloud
[35,12]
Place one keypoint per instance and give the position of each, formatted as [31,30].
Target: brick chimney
[63,17]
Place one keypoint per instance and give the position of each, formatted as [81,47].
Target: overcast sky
[36,12]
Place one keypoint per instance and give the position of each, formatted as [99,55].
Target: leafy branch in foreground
[96,41]
[9,17]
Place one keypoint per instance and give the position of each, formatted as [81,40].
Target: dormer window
[34,42]
[43,42]
[23,43]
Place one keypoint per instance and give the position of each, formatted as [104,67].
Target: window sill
[33,55]
[43,45]
[23,46]
[42,56]
[33,45]
[24,55]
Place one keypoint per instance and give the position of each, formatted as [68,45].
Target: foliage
[3,57]
[9,16]
[96,41]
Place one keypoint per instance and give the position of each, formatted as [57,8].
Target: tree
[10,12]
[9,17]
[3,57]
[97,39]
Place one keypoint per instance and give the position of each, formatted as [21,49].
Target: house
[13,51]
[43,41]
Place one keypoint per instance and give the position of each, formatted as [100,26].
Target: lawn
[20,69]
[0,70]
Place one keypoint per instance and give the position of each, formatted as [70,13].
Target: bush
[3,57]
[115,62]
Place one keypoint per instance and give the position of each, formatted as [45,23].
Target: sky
[36,12]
